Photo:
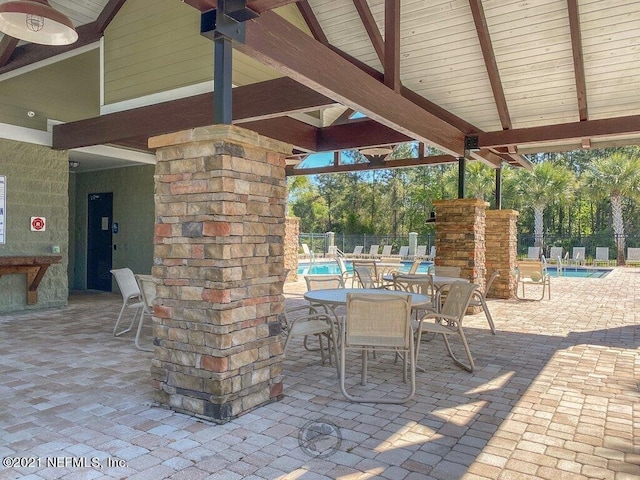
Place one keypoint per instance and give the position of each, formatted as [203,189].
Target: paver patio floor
[555,395]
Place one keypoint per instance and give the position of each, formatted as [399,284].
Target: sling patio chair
[577,256]
[414,266]
[378,322]
[421,252]
[148,293]
[357,252]
[479,299]
[633,256]
[448,321]
[533,253]
[602,256]
[306,253]
[555,255]
[532,272]
[131,297]
[386,251]
[373,252]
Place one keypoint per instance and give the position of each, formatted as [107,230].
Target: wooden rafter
[359,167]
[255,5]
[269,99]
[275,42]
[392,45]
[312,22]
[365,133]
[371,27]
[490,62]
[108,13]
[578,61]
[7,46]
[566,132]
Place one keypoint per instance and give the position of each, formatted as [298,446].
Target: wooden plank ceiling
[520,77]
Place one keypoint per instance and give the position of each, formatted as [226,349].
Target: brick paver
[555,395]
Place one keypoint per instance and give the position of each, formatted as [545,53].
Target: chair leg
[487,313]
[471,365]
[128,329]
[137,340]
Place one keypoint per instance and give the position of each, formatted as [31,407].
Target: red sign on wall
[38,224]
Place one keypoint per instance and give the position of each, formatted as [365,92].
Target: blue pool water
[579,272]
[331,268]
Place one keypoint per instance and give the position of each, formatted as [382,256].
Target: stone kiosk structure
[220,223]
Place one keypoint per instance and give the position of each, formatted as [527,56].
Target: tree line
[568,195]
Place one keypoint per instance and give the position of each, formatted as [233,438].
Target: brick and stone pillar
[292,232]
[220,206]
[502,251]
[460,236]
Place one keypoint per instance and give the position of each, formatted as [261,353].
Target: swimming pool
[578,272]
[331,268]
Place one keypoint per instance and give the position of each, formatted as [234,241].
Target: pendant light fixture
[36,21]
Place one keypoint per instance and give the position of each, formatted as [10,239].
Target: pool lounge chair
[373,252]
[306,253]
[633,256]
[403,252]
[533,253]
[577,256]
[357,252]
[555,255]
[421,251]
[432,254]
[602,256]
[386,250]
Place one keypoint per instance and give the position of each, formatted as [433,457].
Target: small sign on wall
[3,191]
[38,224]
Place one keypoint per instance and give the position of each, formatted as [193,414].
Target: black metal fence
[319,243]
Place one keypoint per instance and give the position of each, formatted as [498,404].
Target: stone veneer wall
[502,251]
[292,232]
[220,206]
[37,185]
[460,236]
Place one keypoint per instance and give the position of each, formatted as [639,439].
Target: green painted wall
[133,210]
[68,90]
[155,45]
[37,185]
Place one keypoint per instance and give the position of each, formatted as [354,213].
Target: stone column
[460,236]
[502,251]
[220,223]
[292,232]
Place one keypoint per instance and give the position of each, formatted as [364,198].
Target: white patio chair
[148,291]
[414,266]
[633,256]
[533,253]
[602,256]
[332,251]
[366,275]
[346,274]
[373,251]
[577,256]
[421,251]
[378,322]
[448,321]
[357,252]
[306,253]
[479,299]
[386,251]
[131,297]
[403,252]
[532,272]
[555,255]
[304,321]
[432,254]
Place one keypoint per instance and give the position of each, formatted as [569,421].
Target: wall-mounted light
[73,164]
[37,22]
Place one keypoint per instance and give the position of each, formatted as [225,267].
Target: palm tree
[546,183]
[616,177]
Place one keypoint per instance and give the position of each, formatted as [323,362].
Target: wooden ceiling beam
[108,13]
[578,60]
[312,22]
[269,99]
[391,60]
[371,27]
[258,6]
[566,132]
[364,133]
[360,167]
[490,62]
[275,42]
[7,47]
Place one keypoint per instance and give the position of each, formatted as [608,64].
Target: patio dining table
[338,296]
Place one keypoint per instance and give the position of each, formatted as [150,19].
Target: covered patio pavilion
[555,395]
